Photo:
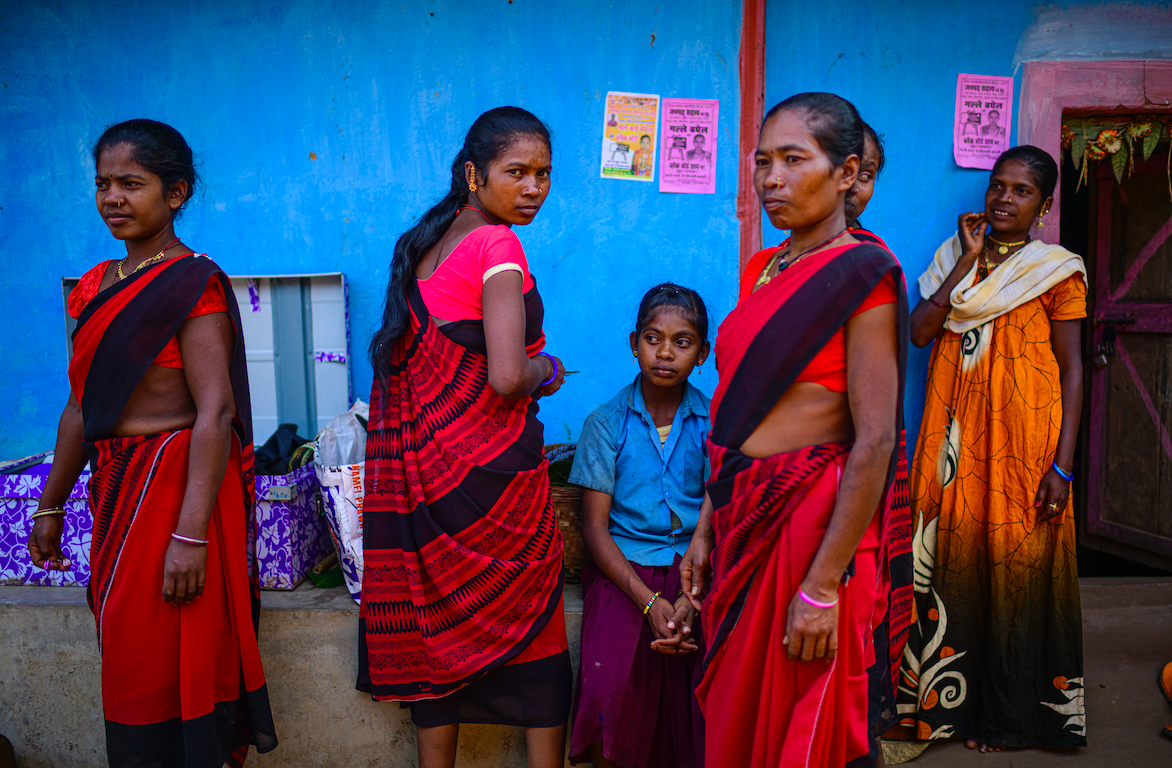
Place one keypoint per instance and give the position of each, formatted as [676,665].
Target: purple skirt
[639,704]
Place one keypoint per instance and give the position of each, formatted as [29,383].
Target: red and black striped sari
[461,590]
[181,686]
[769,518]
[894,594]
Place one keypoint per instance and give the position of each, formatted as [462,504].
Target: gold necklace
[1003,248]
[151,260]
[985,265]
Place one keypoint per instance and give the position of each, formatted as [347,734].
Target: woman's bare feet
[982,746]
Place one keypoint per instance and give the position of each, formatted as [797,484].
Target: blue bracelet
[1068,478]
[555,369]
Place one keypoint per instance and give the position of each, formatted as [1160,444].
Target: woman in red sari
[462,616]
[804,431]
[159,406]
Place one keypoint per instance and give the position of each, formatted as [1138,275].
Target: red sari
[894,593]
[181,686]
[769,519]
[462,613]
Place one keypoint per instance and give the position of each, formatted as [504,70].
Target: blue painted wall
[381,93]
[898,62]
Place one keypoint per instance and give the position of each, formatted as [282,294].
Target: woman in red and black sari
[159,406]
[462,616]
[804,432]
[895,593]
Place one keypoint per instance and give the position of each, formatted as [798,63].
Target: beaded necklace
[782,263]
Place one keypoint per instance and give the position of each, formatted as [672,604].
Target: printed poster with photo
[630,130]
[984,108]
[687,146]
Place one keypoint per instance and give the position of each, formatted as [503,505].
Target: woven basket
[567,501]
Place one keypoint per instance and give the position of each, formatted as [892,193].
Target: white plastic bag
[340,465]
[343,441]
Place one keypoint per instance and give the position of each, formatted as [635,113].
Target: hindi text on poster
[687,146]
[984,108]
[630,130]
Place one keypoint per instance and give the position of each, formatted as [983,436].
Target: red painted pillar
[752,70]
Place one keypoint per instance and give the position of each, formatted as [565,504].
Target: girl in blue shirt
[642,464]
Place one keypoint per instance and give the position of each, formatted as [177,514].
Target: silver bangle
[189,540]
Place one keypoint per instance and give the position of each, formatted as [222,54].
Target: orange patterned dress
[995,652]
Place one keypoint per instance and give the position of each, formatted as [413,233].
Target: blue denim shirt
[619,454]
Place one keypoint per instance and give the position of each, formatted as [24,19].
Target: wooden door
[1129,480]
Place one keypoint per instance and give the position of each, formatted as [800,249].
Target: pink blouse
[455,289]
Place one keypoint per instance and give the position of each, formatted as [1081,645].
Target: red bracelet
[942,306]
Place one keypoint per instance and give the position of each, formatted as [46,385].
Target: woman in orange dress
[995,655]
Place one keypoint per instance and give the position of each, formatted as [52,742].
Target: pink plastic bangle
[816,603]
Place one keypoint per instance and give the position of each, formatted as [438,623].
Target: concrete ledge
[50,683]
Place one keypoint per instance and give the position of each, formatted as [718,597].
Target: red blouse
[828,367]
[210,302]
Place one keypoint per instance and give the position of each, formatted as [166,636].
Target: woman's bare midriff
[807,414]
[160,403]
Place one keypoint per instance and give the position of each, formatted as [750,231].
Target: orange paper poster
[630,132]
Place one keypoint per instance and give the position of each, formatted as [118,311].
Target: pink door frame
[1050,87]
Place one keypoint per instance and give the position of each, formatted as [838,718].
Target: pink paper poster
[984,109]
[687,148]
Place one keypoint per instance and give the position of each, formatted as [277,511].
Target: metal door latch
[1106,348]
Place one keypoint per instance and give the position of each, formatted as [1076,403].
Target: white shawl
[1025,275]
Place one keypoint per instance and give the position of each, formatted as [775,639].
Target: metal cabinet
[297,337]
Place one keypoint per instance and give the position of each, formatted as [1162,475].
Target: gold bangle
[43,512]
[651,602]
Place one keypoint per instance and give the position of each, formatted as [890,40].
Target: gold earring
[472,186]
[1041,224]
[634,358]
[700,369]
